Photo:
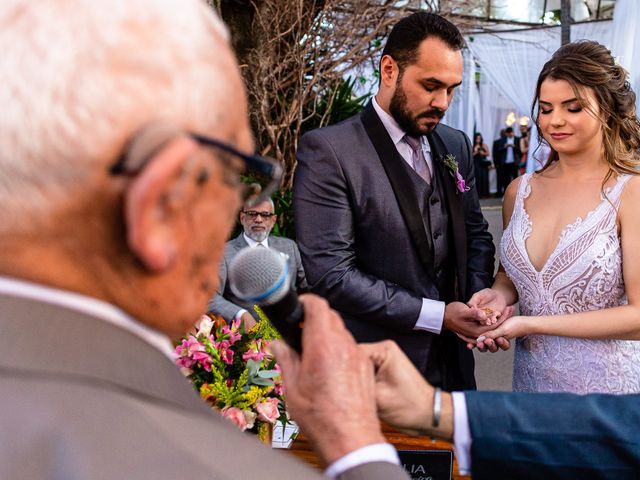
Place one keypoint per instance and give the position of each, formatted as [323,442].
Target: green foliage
[336,104]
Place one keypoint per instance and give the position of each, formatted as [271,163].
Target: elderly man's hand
[330,386]
[405,399]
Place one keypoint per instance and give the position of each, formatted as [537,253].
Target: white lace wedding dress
[583,273]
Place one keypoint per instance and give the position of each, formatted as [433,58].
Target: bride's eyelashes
[572,110]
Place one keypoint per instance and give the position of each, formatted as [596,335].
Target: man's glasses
[252,214]
[266,172]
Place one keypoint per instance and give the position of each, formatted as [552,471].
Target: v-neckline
[566,230]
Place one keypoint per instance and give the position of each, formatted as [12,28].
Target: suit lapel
[401,185]
[455,206]
[56,342]
[239,242]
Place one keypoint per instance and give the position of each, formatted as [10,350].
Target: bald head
[80,77]
[84,82]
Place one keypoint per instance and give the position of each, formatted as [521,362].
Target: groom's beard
[409,124]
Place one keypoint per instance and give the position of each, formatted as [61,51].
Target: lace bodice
[583,273]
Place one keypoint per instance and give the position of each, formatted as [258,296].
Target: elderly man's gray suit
[82,399]
[375,238]
[225,303]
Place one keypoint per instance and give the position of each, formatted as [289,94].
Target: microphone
[261,276]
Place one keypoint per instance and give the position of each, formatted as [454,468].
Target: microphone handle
[287,316]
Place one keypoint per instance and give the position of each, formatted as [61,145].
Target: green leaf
[263,382]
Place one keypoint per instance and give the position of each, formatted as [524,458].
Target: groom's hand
[491,305]
[464,321]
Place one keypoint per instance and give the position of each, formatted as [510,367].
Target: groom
[386,231]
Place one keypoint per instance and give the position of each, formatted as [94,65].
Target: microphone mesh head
[259,275]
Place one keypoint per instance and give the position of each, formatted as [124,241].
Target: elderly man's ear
[152,205]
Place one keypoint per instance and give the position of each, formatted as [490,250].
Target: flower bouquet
[231,369]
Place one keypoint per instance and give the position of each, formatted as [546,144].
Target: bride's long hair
[588,64]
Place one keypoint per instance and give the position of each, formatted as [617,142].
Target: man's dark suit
[358,251]
[554,436]
[81,398]
[506,171]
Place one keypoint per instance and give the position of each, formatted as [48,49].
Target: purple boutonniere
[451,163]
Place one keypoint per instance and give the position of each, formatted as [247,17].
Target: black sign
[427,464]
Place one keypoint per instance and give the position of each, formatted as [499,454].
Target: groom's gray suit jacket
[81,398]
[225,303]
[375,240]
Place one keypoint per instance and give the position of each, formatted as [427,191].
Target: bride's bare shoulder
[630,198]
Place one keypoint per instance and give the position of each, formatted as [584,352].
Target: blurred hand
[330,387]
[248,320]
[404,398]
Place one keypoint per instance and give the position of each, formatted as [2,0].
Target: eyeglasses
[252,214]
[267,171]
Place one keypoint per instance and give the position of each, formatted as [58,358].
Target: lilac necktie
[418,160]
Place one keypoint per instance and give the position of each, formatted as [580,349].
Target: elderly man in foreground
[123,134]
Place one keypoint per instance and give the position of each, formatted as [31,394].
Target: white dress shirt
[432,311]
[252,243]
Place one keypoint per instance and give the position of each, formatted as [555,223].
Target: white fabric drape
[625,44]
[512,61]
[462,111]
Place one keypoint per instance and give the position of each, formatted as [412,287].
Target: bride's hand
[501,343]
[489,305]
[511,328]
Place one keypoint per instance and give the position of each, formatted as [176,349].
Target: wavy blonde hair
[588,64]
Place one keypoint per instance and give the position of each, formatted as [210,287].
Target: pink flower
[268,410]
[232,331]
[279,390]
[203,359]
[226,354]
[236,416]
[460,183]
[184,362]
[190,352]
[256,352]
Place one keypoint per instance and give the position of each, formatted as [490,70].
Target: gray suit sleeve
[325,229]
[553,436]
[375,471]
[220,305]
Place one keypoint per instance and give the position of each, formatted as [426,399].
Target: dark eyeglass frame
[254,214]
[260,165]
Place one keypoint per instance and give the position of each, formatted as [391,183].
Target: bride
[570,252]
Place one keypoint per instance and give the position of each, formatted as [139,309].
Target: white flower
[250,418]
[205,325]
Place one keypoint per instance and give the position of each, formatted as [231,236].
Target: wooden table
[400,441]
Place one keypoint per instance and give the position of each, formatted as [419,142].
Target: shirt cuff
[461,433]
[431,316]
[238,315]
[377,452]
